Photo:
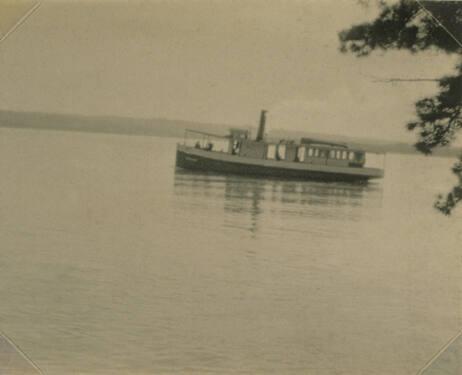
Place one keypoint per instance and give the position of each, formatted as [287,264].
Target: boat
[308,159]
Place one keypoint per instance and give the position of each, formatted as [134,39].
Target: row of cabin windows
[279,152]
[331,154]
[324,154]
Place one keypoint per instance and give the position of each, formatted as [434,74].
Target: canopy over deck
[305,140]
[207,134]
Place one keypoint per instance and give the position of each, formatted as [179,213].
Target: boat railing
[205,140]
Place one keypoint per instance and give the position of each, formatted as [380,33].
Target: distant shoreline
[175,129]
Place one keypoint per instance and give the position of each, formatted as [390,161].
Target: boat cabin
[308,150]
[310,153]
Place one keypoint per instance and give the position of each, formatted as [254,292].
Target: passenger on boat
[235,148]
[197,145]
[209,146]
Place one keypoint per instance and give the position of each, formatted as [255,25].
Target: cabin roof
[207,133]
[321,142]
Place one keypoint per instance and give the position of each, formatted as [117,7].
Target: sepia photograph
[230,187]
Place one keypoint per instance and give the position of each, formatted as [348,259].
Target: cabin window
[281,152]
[344,155]
[316,153]
[271,152]
[323,154]
[332,154]
[301,153]
[359,156]
[310,152]
[351,155]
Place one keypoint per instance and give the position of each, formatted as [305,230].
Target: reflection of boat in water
[290,191]
[310,159]
[246,199]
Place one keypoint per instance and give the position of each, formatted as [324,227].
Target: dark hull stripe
[200,163]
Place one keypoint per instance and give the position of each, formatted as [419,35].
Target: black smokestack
[261,127]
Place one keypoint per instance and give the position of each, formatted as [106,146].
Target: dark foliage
[439,117]
[410,26]
[406,25]
[447,204]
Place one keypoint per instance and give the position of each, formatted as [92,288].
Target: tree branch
[387,80]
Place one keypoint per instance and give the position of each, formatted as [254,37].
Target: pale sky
[212,61]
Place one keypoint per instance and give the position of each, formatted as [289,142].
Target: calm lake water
[113,263]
